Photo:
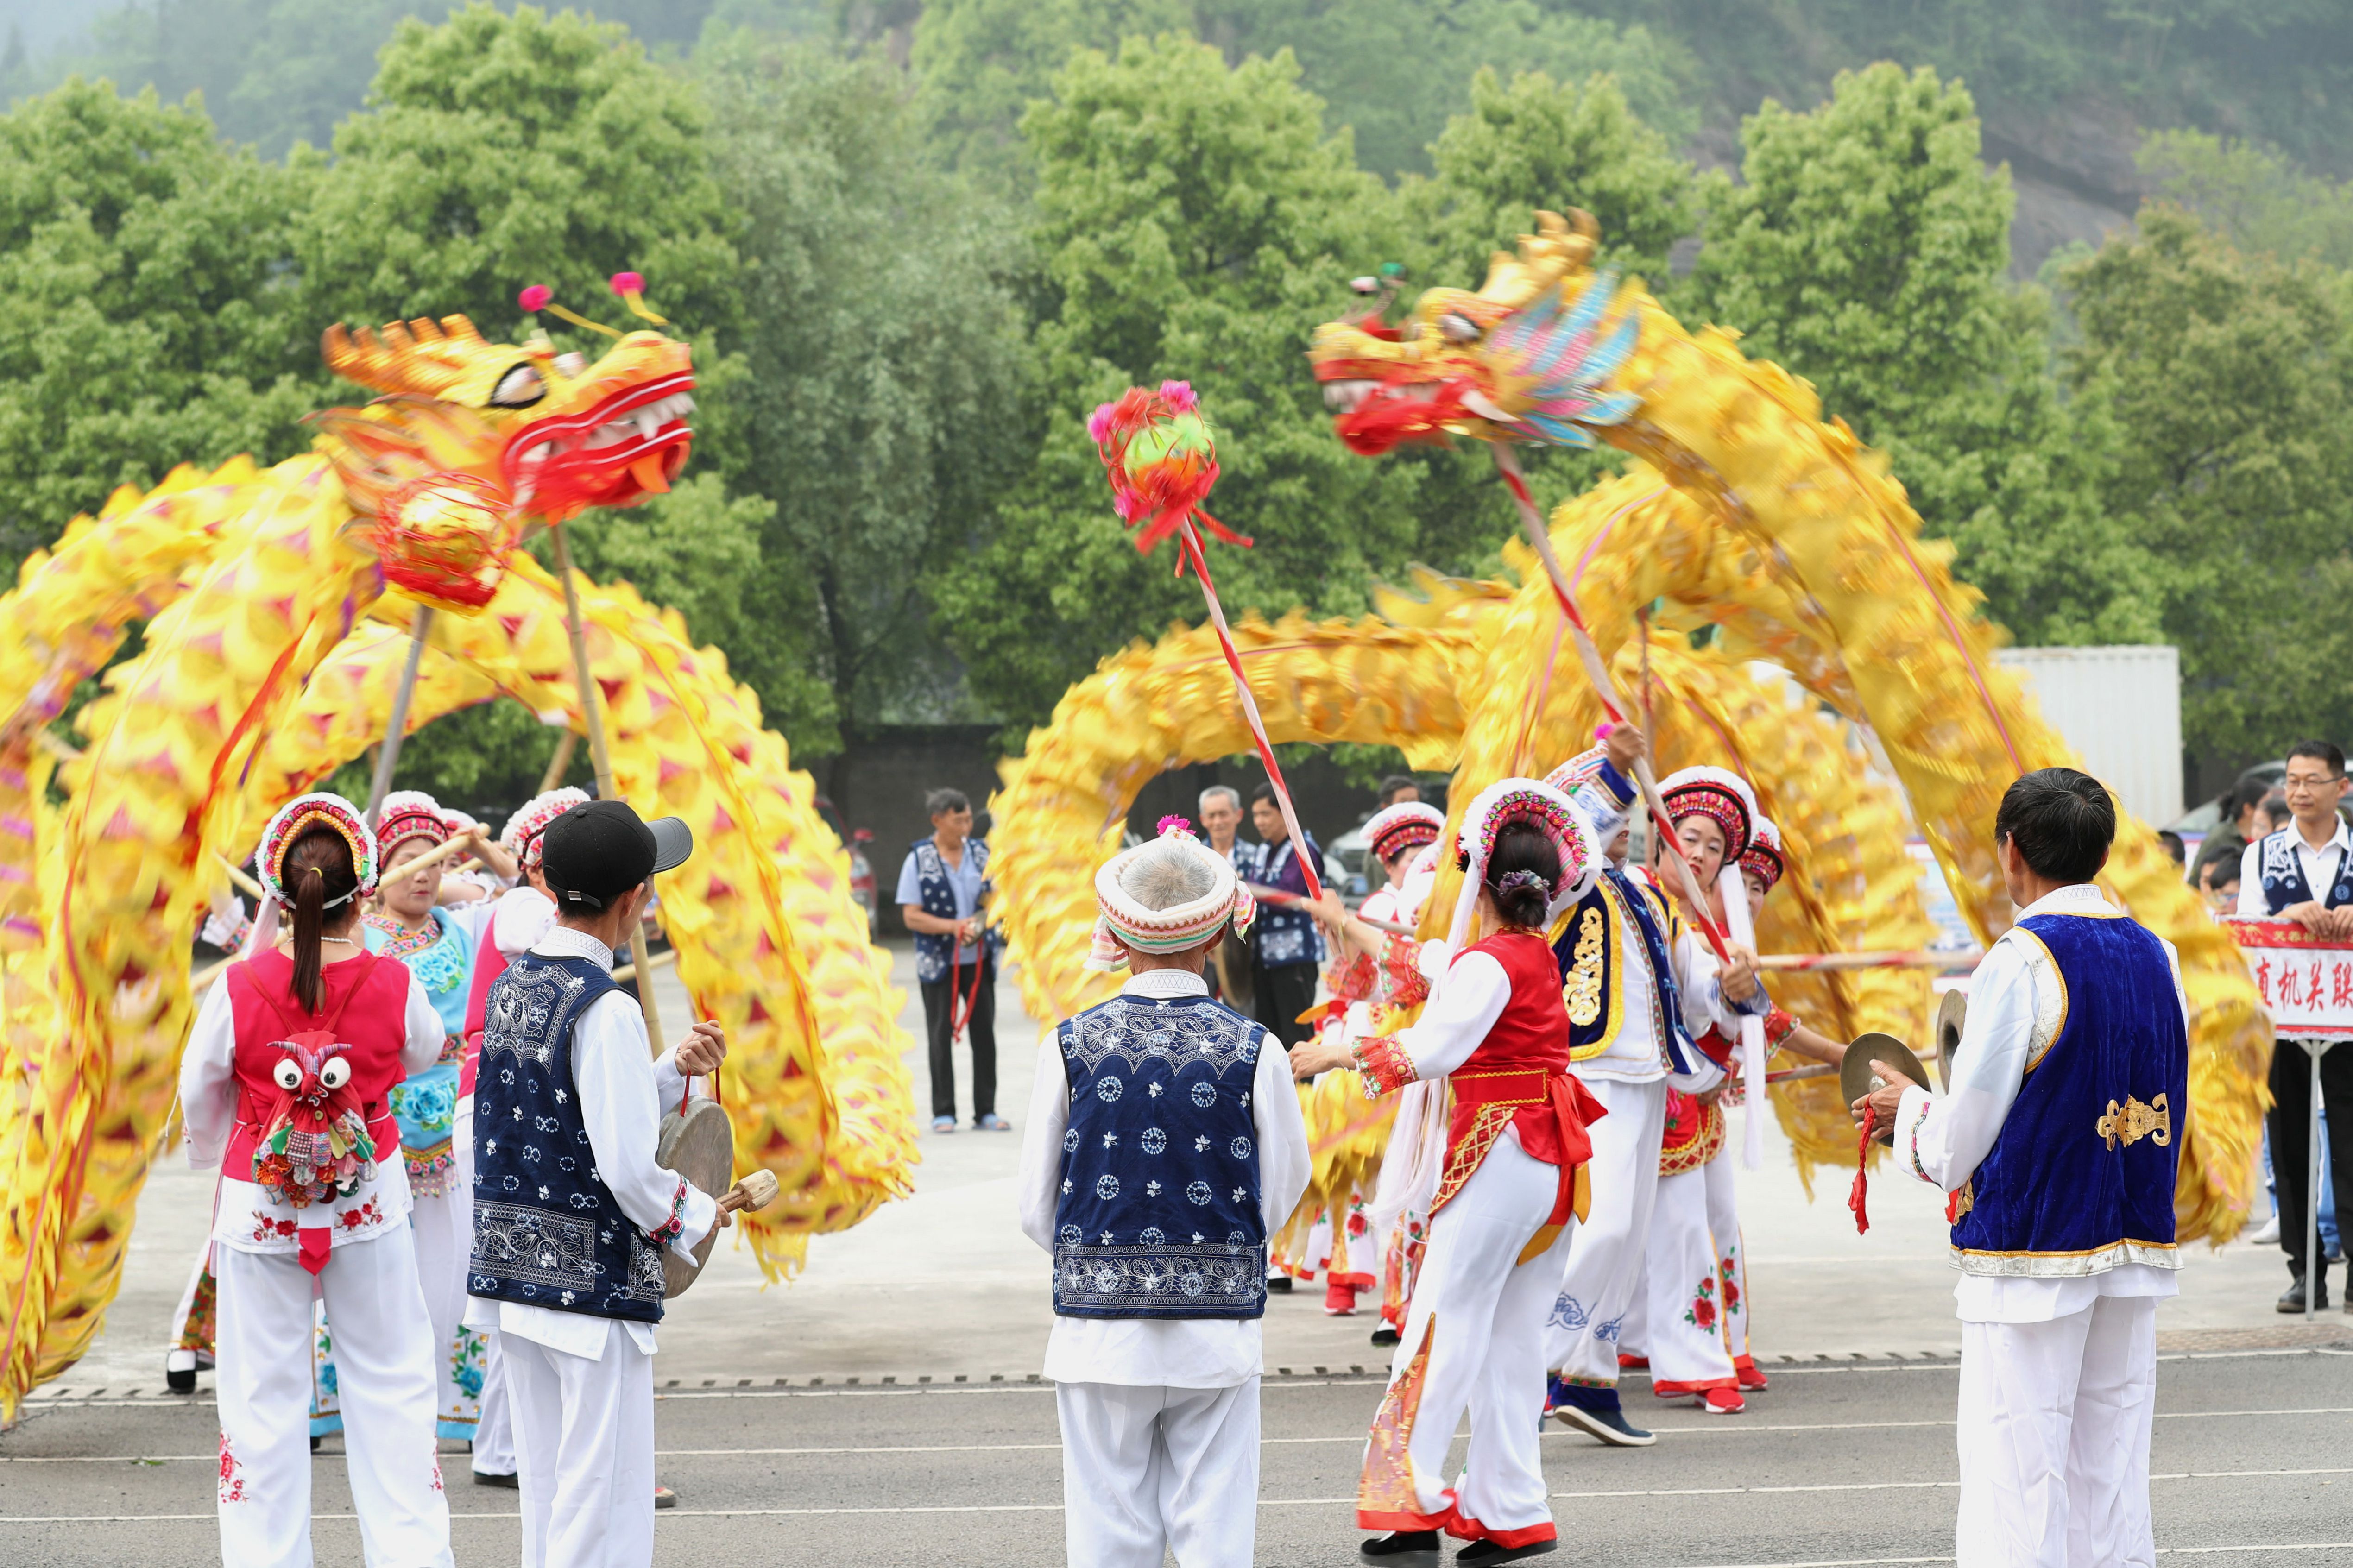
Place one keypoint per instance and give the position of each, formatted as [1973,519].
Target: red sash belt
[1549,1109]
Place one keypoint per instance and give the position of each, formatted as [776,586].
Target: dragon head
[470,440]
[1517,358]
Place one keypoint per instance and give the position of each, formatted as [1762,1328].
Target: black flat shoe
[1385,1336]
[1483,1552]
[1610,1425]
[511,1481]
[1281,1282]
[181,1379]
[1402,1549]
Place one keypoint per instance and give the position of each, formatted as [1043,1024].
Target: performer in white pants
[284,1084]
[1499,1177]
[565,1261]
[524,914]
[1638,986]
[2056,1145]
[1165,1144]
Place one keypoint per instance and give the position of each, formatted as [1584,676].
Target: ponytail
[310,920]
[318,871]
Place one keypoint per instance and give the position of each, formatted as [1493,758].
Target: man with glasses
[2304,873]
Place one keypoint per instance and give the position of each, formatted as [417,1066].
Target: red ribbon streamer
[1854,1197]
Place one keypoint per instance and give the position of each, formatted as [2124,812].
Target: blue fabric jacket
[2282,872]
[935,954]
[1286,934]
[1159,1213]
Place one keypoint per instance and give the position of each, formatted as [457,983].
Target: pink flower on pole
[537,297]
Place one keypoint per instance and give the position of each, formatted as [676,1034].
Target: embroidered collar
[2075,898]
[1164,982]
[563,942]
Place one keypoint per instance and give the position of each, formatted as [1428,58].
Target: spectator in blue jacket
[942,888]
[1286,949]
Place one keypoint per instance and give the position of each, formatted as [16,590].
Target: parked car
[1349,864]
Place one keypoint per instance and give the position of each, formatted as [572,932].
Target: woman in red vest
[1500,1195]
[285,1084]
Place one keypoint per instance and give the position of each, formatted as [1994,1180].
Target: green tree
[1392,70]
[883,399]
[2230,377]
[1867,252]
[501,151]
[1195,224]
[980,64]
[2253,194]
[144,265]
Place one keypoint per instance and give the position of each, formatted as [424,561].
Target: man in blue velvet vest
[2057,1143]
[570,1212]
[1165,1144]
[2304,873]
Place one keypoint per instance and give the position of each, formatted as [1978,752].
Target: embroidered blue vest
[1285,934]
[1159,1212]
[1585,947]
[547,1231]
[2080,1179]
[935,953]
[2282,870]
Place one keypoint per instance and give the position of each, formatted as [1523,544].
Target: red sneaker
[1339,1300]
[1750,1378]
[1633,1364]
[1724,1402]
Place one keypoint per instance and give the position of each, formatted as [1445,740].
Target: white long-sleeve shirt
[244,1217]
[2319,867]
[1161,1353]
[623,1098]
[522,916]
[2016,1006]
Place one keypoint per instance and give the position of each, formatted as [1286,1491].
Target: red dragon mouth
[628,446]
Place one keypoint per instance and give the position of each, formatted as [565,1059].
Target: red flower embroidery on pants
[1701,1313]
[232,1474]
[268,1228]
[1724,1271]
[367,1214]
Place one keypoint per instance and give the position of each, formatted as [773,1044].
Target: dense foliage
[915,242]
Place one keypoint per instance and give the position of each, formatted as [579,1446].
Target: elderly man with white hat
[1165,1144]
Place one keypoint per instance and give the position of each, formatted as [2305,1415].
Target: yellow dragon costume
[1744,511]
[272,651]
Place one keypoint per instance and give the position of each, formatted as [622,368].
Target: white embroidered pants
[2053,1437]
[493,1437]
[444,1223]
[1605,1262]
[1146,1471]
[1474,1340]
[1683,1304]
[1731,1252]
[585,1440]
[384,1358]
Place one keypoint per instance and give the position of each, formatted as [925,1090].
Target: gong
[1952,1014]
[698,1144]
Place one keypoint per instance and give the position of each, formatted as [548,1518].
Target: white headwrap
[1123,921]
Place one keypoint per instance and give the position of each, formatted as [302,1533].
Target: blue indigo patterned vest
[2282,870]
[2080,1180]
[935,953]
[1159,1212]
[547,1231]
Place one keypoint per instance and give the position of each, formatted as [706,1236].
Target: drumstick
[757,1190]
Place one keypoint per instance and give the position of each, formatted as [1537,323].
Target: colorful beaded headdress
[521,837]
[1724,798]
[1122,922]
[299,816]
[1764,857]
[1409,824]
[1506,803]
[409,813]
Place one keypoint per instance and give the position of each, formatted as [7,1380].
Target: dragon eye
[336,1073]
[288,1073]
[519,388]
[1458,328]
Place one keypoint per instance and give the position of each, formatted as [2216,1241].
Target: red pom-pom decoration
[1162,459]
[536,298]
[628,283]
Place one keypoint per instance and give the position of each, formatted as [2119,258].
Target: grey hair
[1232,795]
[1166,874]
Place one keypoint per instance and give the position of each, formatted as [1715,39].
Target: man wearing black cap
[570,1210]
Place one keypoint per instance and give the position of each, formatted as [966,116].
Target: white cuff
[1910,1112]
[696,1220]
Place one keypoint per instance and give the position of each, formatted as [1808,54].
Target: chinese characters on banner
[2307,983]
